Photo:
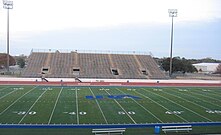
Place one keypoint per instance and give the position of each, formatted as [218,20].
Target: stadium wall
[108,82]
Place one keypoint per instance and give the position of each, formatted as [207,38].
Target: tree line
[184,65]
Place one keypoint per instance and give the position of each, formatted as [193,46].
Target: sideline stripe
[49,121]
[17,100]
[142,106]
[122,108]
[160,105]
[99,107]
[184,107]
[32,106]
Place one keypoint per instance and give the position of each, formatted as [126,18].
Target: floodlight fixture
[172,13]
[7,5]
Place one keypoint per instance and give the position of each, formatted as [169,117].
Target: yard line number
[130,112]
[213,111]
[74,113]
[174,112]
[24,112]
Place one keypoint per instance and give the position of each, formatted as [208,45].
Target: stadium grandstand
[92,65]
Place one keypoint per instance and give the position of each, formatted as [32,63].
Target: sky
[114,25]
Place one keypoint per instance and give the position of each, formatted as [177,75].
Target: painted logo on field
[112,97]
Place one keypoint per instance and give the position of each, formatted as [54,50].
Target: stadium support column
[7,5]
[172,13]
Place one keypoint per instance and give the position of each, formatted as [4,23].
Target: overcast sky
[115,25]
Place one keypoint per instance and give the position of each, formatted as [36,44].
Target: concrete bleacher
[35,63]
[92,65]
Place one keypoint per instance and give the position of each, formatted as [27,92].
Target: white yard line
[160,105]
[32,106]
[16,101]
[99,107]
[8,94]
[142,107]
[205,96]
[49,121]
[77,109]
[122,108]
[212,93]
[184,107]
[3,88]
[187,100]
[197,98]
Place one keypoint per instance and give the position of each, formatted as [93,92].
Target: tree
[21,62]
[178,65]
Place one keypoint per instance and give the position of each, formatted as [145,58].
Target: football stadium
[51,91]
[104,93]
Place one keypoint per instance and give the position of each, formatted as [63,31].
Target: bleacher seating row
[91,65]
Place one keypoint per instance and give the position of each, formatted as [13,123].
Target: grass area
[108,105]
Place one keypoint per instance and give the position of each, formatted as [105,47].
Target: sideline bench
[176,128]
[108,131]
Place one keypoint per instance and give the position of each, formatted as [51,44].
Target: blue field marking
[112,97]
[94,97]
[107,125]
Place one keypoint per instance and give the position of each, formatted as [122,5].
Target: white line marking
[204,95]
[49,121]
[211,93]
[32,106]
[187,100]
[99,107]
[76,94]
[122,109]
[161,105]
[8,93]
[184,107]
[198,99]
[4,88]
[17,100]
[142,107]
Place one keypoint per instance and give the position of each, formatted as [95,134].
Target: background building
[206,67]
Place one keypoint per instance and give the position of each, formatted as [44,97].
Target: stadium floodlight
[172,13]
[7,5]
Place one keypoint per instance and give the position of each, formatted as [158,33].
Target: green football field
[50,105]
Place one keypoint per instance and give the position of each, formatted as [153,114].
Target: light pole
[172,13]
[7,5]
